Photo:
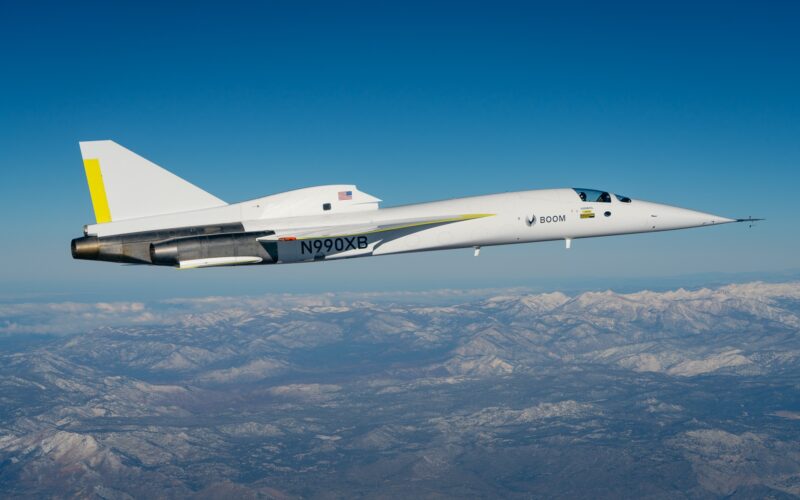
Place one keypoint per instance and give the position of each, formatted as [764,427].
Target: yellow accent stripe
[94,177]
[395,228]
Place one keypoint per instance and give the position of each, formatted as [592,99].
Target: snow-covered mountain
[598,394]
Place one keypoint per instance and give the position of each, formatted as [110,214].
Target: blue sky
[694,104]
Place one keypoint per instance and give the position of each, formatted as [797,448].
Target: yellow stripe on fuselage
[94,177]
[406,226]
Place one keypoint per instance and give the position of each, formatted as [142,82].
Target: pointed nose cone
[665,217]
[682,217]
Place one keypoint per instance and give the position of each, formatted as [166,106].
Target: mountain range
[685,393]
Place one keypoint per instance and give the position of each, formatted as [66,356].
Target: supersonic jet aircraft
[147,215]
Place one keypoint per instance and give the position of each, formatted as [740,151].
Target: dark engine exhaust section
[87,248]
[217,246]
[171,246]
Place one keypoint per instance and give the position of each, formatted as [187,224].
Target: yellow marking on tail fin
[94,177]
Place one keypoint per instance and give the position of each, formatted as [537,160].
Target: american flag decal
[345,195]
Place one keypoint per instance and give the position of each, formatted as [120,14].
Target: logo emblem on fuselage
[530,220]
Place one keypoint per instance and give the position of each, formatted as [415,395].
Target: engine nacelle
[134,248]
[211,250]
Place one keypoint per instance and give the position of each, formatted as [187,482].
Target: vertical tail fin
[123,185]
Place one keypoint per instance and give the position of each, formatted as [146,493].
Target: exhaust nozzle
[86,248]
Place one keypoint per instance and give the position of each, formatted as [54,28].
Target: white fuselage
[517,217]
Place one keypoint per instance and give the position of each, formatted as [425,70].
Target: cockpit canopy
[594,195]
